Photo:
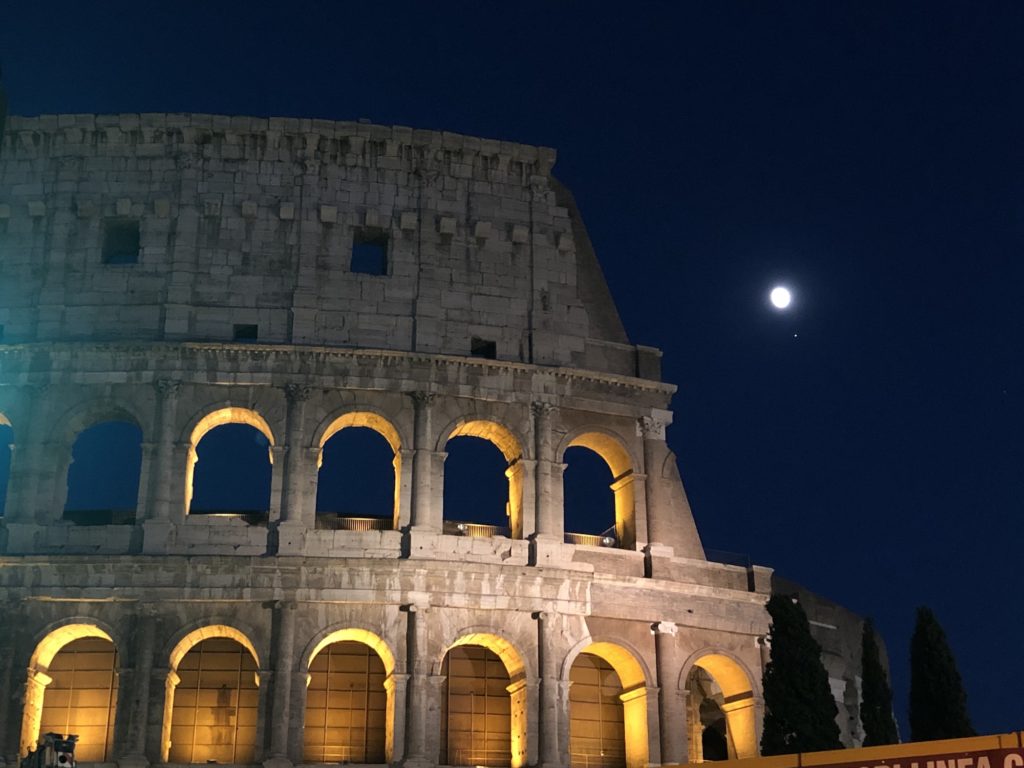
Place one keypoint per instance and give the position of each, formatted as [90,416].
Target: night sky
[868,443]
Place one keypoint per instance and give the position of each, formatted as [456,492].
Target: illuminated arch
[178,652]
[218,418]
[4,421]
[515,667]
[376,645]
[511,448]
[39,674]
[633,677]
[735,682]
[369,419]
[615,454]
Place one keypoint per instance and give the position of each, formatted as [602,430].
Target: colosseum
[294,281]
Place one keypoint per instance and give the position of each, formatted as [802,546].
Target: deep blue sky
[869,443]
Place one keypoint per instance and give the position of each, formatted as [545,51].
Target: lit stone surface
[247,221]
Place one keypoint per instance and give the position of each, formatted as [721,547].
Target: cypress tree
[938,702]
[800,713]
[876,696]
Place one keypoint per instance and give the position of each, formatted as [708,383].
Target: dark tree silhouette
[800,713]
[876,696]
[938,702]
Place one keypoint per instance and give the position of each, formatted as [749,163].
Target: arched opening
[6,449]
[483,709]
[359,476]
[349,700]
[483,481]
[607,709]
[585,498]
[212,699]
[229,465]
[72,688]
[103,477]
[588,499]
[720,714]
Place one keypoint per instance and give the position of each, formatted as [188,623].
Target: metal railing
[607,538]
[473,530]
[331,522]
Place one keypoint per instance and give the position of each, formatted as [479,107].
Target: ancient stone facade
[237,301]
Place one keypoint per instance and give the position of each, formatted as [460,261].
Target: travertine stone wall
[250,221]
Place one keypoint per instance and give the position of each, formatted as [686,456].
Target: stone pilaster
[550,730]
[293,506]
[418,690]
[424,514]
[284,673]
[672,707]
[137,710]
[158,519]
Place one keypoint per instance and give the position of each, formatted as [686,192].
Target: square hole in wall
[245,332]
[483,348]
[369,252]
[121,241]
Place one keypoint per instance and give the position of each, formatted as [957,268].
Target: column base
[546,549]
[417,762]
[132,761]
[157,536]
[291,538]
[277,761]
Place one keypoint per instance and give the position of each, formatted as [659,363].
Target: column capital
[542,410]
[652,427]
[167,388]
[664,628]
[541,615]
[422,398]
[296,393]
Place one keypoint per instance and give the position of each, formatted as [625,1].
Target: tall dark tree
[876,696]
[800,713]
[938,702]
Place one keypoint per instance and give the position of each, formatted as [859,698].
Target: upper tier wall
[247,221]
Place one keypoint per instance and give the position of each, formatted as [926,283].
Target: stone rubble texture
[250,221]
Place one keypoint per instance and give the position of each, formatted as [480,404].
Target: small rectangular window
[483,348]
[1,333]
[121,241]
[369,252]
[246,332]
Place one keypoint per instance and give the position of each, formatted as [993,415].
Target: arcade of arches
[212,705]
[229,468]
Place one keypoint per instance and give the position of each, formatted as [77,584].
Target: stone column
[550,715]
[134,744]
[292,507]
[659,513]
[424,514]
[158,518]
[418,690]
[284,672]
[672,707]
[550,519]
[296,511]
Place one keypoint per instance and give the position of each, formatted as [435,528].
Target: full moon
[780,297]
